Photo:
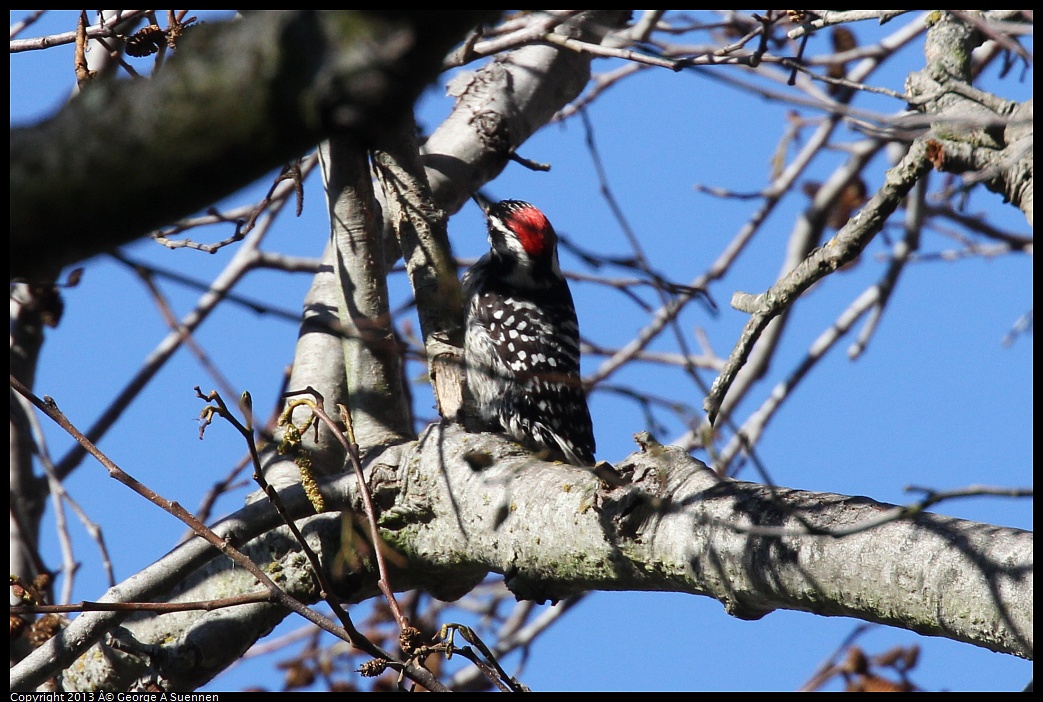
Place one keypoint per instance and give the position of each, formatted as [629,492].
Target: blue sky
[937,400]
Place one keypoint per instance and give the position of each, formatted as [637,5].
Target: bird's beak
[482,201]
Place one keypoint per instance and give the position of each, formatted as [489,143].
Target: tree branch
[372,354]
[1002,159]
[840,250]
[667,523]
[501,105]
[420,228]
[240,99]
[672,524]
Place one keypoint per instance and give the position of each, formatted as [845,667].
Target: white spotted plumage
[521,343]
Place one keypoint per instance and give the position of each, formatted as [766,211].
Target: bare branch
[372,354]
[254,119]
[843,248]
[420,227]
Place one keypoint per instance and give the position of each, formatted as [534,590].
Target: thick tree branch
[456,506]
[501,105]
[240,99]
[318,362]
[1001,159]
[420,229]
[556,530]
[372,355]
[545,78]
[666,523]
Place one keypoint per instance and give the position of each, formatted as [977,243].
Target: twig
[903,252]
[246,430]
[842,249]
[245,219]
[245,260]
[514,636]
[266,260]
[352,449]
[488,663]
[21,25]
[913,509]
[48,407]
[530,31]
[641,260]
[157,607]
[188,339]
[831,17]
[610,52]
[95,31]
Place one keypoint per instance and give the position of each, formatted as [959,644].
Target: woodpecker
[521,342]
